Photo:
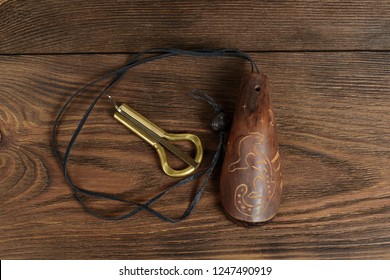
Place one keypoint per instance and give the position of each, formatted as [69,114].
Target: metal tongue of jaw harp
[159,139]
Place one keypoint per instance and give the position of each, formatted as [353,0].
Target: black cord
[219,124]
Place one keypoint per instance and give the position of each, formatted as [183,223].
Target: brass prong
[159,139]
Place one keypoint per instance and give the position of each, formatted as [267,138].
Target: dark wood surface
[328,66]
[122,26]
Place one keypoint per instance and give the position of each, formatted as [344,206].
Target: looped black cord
[219,124]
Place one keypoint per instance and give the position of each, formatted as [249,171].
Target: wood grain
[128,26]
[333,117]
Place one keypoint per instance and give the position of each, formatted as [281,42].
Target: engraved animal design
[271,117]
[251,198]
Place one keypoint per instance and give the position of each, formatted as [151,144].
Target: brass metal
[159,139]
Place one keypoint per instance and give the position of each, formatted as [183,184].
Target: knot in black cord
[220,123]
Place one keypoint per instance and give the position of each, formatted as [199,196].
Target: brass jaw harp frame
[160,139]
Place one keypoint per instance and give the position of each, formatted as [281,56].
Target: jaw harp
[159,139]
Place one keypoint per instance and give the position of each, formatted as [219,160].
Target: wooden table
[328,64]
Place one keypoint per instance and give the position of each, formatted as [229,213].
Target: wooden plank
[333,118]
[128,26]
